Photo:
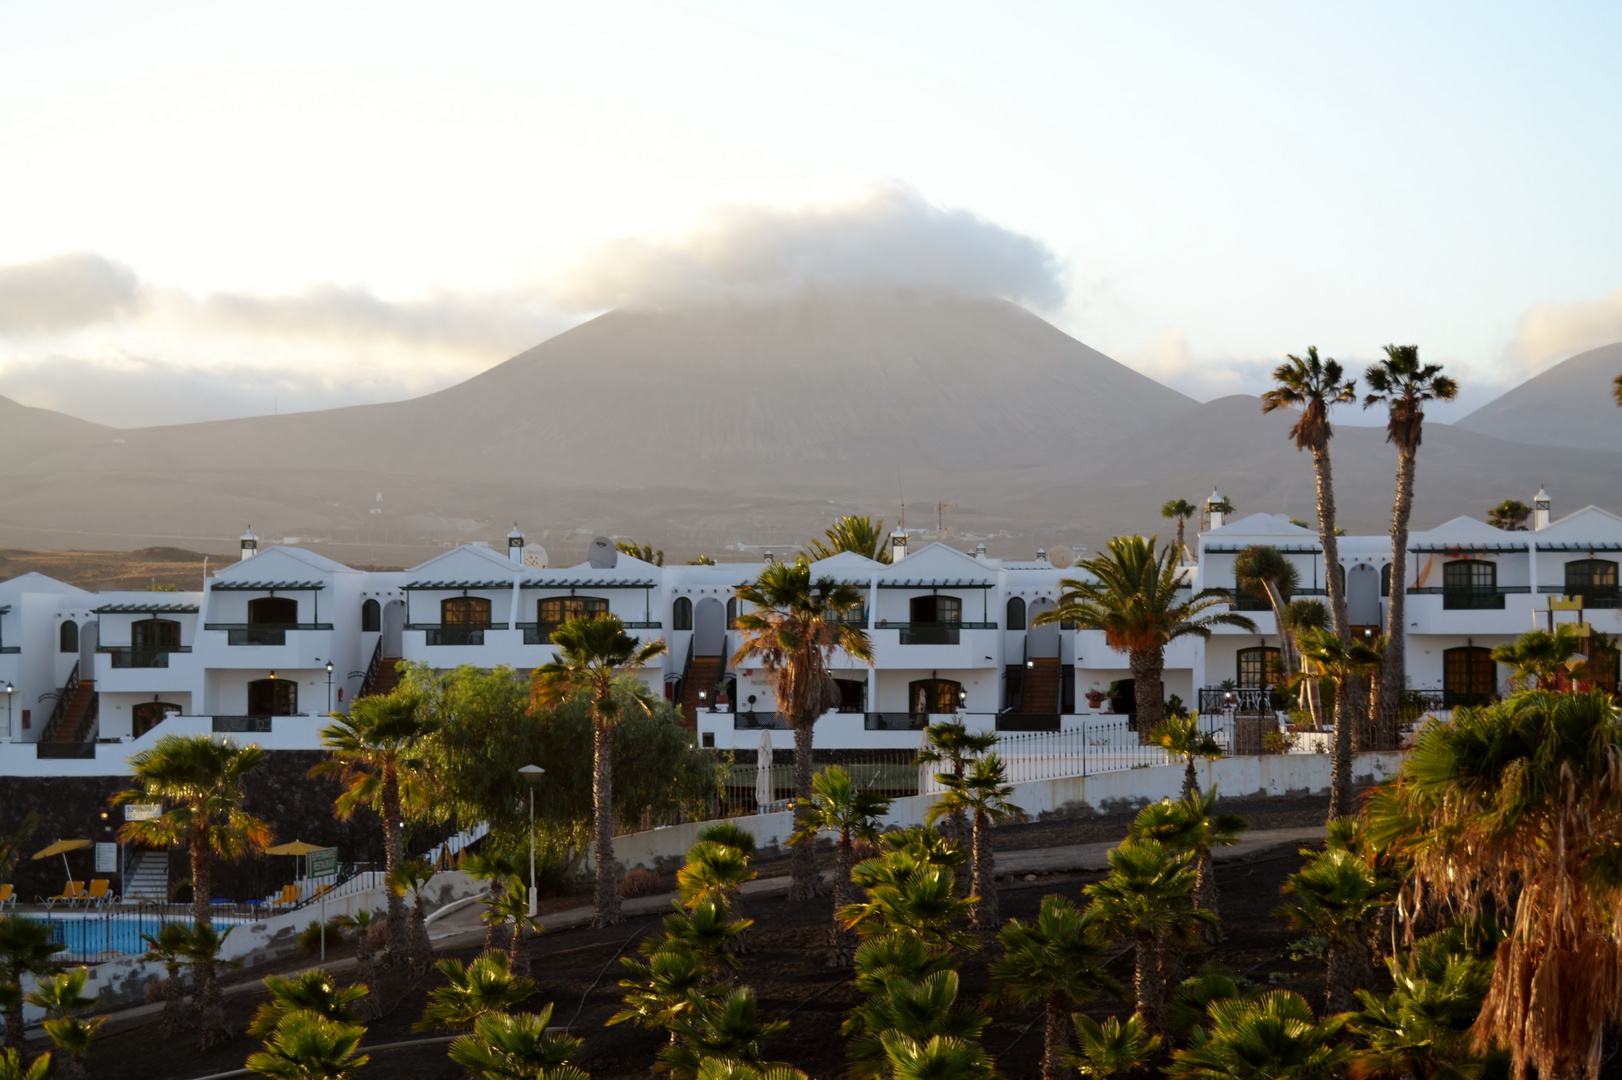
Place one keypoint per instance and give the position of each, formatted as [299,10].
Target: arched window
[936,620]
[1470,585]
[273,611]
[273,697]
[681,614]
[465,613]
[934,696]
[1469,676]
[1016,613]
[147,715]
[1595,580]
[371,617]
[68,637]
[732,613]
[554,611]
[1385,580]
[1258,666]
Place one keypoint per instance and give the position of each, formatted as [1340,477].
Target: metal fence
[91,937]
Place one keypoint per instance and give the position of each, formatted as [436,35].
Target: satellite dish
[602,554]
[1061,558]
[535,557]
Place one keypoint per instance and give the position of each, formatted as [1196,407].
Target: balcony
[455,635]
[1479,599]
[261,633]
[1593,596]
[934,633]
[233,725]
[540,633]
[143,656]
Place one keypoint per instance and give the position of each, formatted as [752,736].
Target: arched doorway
[1363,597]
[1469,676]
[393,628]
[709,627]
[149,714]
[273,697]
[934,696]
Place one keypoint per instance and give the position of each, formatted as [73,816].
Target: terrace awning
[442,586]
[266,586]
[589,583]
[147,609]
[938,583]
[1490,549]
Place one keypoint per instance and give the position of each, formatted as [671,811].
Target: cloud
[1168,358]
[888,237]
[66,292]
[1553,332]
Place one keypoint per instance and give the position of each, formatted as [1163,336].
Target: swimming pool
[92,934]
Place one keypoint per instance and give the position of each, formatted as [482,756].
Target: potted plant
[1096,698]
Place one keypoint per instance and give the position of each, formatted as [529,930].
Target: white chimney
[1041,554]
[1540,510]
[1211,509]
[980,550]
[250,544]
[515,546]
[898,546]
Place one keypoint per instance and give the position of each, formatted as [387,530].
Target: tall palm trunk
[397,933]
[1148,983]
[1191,780]
[842,942]
[492,928]
[1147,665]
[1350,969]
[1286,644]
[805,881]
[1392,681]
[1056,1035]
[1348,705]
[210,1003]
[1205,897]
[606,898]
[985,915]
[1180,551]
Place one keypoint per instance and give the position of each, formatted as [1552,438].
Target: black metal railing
[893,721]
[1243,700]
[141,656]
[749,720]
[90,937]
[369,677]
[65,695]
[261,633]
[458,635]
[1593,596]
[934,633]
[65,751]
[1015,721]
[225,725]
[1477,599]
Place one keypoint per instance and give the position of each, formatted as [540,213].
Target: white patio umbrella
[765,795]
[926,771]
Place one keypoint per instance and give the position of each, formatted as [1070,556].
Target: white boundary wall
[1270,775]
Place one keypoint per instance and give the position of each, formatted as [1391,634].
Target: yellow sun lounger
[71,893]
[8,896]
[288,897]
[99,893]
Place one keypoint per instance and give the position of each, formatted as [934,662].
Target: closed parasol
[765,794]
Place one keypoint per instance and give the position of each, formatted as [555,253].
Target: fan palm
[26,948]
[1181,737]
[1509,515]
[716,870]
[941,1058]
[360,923]
[1422,1028]
[311,991]
[838,806]
[858,534]
[727,1028]
[596,659]
[1403,385]
[693,957]
[1337,895]
[1274,1037]
[951,743]
[506,1047]
[1265,569]
[1192,825]
[486,985]
[1179,510]
[909,894]
[168,947]
[62,997]
[498,870]
[13,1068]
[1314,386]
[378,752]
[1299,617]
[306,1046]
[983,795]
[1187,1009]
[412,876]
[1132,598]
[792,632]
[1518,805]
[1056,962]
[202,783]
[921,1008]
[511,904]
[1347,664]
[1539,657]
[1111,1050]
[1616,389]
[721,1069]
[1148,898]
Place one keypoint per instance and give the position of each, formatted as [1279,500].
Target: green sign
[324,862]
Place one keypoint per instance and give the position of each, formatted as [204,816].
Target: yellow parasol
[62,847]
[296,847]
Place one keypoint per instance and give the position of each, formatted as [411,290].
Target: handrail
[371,669]
[48,734]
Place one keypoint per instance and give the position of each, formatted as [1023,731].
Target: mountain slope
[1568,405]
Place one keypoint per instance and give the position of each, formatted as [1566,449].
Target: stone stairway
[1041,692]
[147,877]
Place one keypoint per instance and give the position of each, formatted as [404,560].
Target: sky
[212,210]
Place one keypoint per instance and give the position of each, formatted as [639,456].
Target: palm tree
[62,997]
[727,1028]
[715,870]
[1337,895]
[915,1005]
[1274,1037]
[486,985]
[1518,805]
[202,781]
[1056,962]
[908,893]
[1179,510]
[378,752]
[312,991]
[1616,391]
[984,793]
[168,947]
[941,1057]
[1541,658]
[597,659]
[504,1047]
[26,948]
[512,904]
[360,923]
[1265,569]
[839,807]
[1192,825]
[1422,1028]
[689,962]
[306,1046]
[862,535]
[201,952]
[644,552]
[952,743]
[499,870]
[1299,617]
[12,839]
[793,630]
[726,834]
[1132,599]
[1148,898]
[1509,515]
[412,876]
[12,1067]
[1116,1048]
[1347,664]
[1181,736]
[1403,385]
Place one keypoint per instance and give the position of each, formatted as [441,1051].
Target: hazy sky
[221,209]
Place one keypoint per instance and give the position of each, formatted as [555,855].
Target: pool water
[86,935]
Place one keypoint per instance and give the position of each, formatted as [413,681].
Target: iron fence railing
[91,937]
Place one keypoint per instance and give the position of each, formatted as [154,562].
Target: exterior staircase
[702,674]
[147,877]
[1041,689]
[386,678]
[74,719]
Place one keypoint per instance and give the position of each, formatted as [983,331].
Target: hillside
[1568,405]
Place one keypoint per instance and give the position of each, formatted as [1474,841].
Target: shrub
[641,882]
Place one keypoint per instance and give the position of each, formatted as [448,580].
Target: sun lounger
[8,896]
[99,893]
[288,897]
[71,894]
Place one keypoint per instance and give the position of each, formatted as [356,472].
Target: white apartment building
[284,636]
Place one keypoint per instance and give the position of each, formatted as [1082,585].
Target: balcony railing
[141,656]
[1594,596]
[895,721]
[261,633]
[241,724]
[455,635]
[540,633]
[934,633]
[1480,599]
[1243,700]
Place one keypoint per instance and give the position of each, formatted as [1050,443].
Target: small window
[155,634]
[1469,677]
[68,637]
[1016,613]
[465,612]
[273,611]
[681,614]
[1595,580]
[1470,584]
[937,609]
[1258,667]
[557,610]
[934,696]
[371,617]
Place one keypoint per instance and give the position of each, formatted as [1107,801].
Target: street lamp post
[329,686]
[532,775]
[11,732]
